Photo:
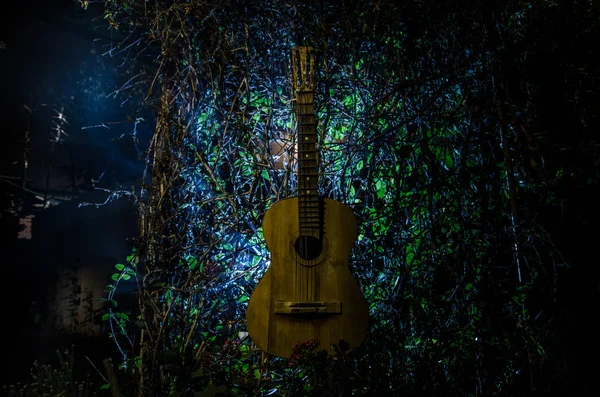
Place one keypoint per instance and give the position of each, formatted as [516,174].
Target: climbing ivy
[427,131]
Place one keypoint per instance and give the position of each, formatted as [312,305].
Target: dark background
[53,62]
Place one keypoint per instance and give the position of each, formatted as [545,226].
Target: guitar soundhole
[308,247]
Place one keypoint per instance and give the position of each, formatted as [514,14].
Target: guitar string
[305,204]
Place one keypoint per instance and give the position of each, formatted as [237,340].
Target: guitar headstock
[303,69]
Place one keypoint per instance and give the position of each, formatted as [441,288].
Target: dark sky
[52,65]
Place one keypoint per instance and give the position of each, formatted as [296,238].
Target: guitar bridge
[318,307]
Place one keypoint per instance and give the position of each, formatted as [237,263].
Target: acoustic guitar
[308,290]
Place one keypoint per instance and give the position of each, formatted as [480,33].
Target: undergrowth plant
[53,381]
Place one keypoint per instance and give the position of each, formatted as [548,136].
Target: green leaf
[381,188]
[410,257]
[105,316]
[126,277]
[122,316]
[449,161]
[265,174]
[115,276]
[228,247]
[192,262]
[245,352]
[105,386]
[119,266]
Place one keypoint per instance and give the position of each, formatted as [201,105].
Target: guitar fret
[309,211]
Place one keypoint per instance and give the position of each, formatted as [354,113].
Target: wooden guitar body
[299,299]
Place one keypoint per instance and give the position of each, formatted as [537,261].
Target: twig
[114,385]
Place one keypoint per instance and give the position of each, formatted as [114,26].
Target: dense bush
[436,127]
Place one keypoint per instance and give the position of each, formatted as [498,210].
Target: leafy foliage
[48,380]
[430,130]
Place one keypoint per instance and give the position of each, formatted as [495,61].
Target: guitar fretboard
[308,166]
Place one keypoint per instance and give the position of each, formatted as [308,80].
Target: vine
[421,133]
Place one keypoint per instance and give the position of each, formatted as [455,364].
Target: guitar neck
[308,165]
